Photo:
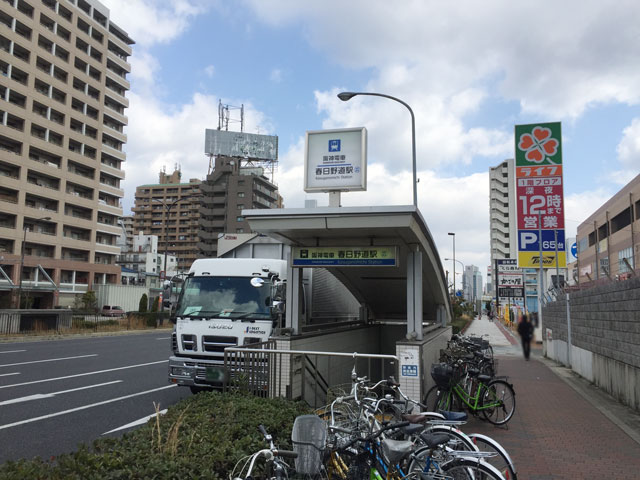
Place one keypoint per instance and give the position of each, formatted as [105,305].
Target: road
[57,394]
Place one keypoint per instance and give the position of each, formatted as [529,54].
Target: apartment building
[63,84]
[170,210]
[502,211]
[231,187]
[608,240]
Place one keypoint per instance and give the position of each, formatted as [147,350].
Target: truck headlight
[180,372]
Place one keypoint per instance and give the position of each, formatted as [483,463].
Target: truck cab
[223,303]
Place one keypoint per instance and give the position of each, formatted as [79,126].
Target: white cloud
[150,22]
[629,147]
[276,75]
[556,59]
[209,71]
[579,206]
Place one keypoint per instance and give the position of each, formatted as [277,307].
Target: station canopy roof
[383,289]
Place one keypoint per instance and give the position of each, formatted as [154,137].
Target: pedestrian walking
[525,330]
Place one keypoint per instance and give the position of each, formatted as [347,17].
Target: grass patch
[201,437]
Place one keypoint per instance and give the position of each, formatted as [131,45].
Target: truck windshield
[231,297]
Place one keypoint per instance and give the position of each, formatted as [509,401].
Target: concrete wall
[373,339]
[125,296]
[605,337]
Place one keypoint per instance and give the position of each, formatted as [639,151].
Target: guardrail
[313,376]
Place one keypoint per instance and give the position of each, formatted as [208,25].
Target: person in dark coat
[525,330]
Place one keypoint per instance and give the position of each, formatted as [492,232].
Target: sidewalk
[563,427]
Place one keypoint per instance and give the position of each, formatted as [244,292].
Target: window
[239,219]
[240,194]
[627,254]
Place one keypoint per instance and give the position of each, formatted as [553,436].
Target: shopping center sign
[540,197]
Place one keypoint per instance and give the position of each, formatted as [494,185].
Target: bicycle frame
[473,402]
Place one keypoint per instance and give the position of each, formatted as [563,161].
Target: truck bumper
[196,372]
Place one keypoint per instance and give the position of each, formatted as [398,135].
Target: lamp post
[457,261]
[346,96]
[24,241]
[168,207]
[454,262]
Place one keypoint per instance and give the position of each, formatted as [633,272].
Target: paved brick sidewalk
[555,433]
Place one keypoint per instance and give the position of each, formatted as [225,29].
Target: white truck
[223,302]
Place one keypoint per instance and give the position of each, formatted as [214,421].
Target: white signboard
[336,160]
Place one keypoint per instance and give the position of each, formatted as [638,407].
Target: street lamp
[168,207]
[24,241]
[454,262]
[346,96]
[454,271]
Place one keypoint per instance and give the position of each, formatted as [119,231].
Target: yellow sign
[532,259]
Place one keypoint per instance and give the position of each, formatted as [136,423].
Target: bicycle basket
[443,374]
[309,437]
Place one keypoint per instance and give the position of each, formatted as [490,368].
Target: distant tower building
[502,213]
[240,177]
[230,188]
[169,210]
[472,283]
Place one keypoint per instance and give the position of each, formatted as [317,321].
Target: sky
[469,70]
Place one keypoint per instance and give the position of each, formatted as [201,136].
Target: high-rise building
[231,187]
[63,82]
[472,283]
[170,210]
[502,212]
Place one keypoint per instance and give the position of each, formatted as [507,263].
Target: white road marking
[136,422]
[82,374]
[164,338]
[13,351]
[8,374]
[39,396]
[84,407]
[48,360]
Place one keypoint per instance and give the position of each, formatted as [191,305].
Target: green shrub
[201,437]
[144,301]
[156,303]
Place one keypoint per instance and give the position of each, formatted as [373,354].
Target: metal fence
[315,377]
[61,321]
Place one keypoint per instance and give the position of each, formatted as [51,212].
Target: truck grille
[189,342]
[217,344]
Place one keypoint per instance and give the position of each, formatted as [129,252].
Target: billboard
[540,195]
[241,145]
[509,279]
[336,160]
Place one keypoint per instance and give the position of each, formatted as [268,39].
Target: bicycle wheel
[470,469]
[498,402]
[420,458]
[502,461]
[430,400]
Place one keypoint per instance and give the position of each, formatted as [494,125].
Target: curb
[77,336]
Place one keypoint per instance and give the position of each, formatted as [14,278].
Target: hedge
[201,437]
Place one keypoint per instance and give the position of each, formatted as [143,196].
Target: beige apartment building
[63,81]
[170,210]
[608,240]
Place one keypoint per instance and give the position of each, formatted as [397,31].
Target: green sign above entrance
[344,257]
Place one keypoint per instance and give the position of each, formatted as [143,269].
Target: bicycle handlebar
[285,453]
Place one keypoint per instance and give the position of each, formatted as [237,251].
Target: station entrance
[403,303]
